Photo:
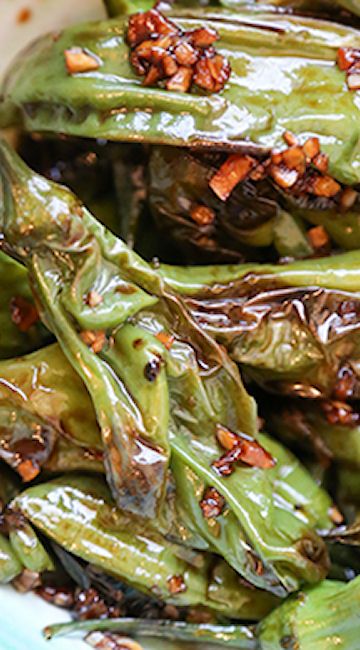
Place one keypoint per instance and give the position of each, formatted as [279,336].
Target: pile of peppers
[180,325]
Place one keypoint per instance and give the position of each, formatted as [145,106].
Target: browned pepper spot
[23,313]
[152,369]
[161,52]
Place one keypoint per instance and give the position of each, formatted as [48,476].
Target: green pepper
[317,7]
[10,565]
[254,109]
[77,512]
[271,319]
[29,549]
[22,337]
[324,617]
[41,391]
[307,426]
[252,218]
[71,257]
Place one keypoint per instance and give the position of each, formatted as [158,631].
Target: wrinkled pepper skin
[258,311]
[41,390]
[193,386]
[78,513]
[111,103]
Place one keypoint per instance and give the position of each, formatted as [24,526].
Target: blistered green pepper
[271,319]
[263,98]
[41,392]
[86,278]
[324,617]
[77,512]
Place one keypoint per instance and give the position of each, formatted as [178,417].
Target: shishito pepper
[251,113]
[177,403]
[324,617]
[78,513]
[259,311]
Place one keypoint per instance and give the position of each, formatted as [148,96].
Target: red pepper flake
[335,515]
[166,339]
[28,470]
[345,384]
[93,299]
[23,313]
[240,449]
[176,585]
[340,413]
[318,237]
[348,60]
[59,596]
[94,339]
[77,60]
[234,170]
[23,15]
[161,52]
[212,503]
[325,186]
[202,215]
[347,56]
